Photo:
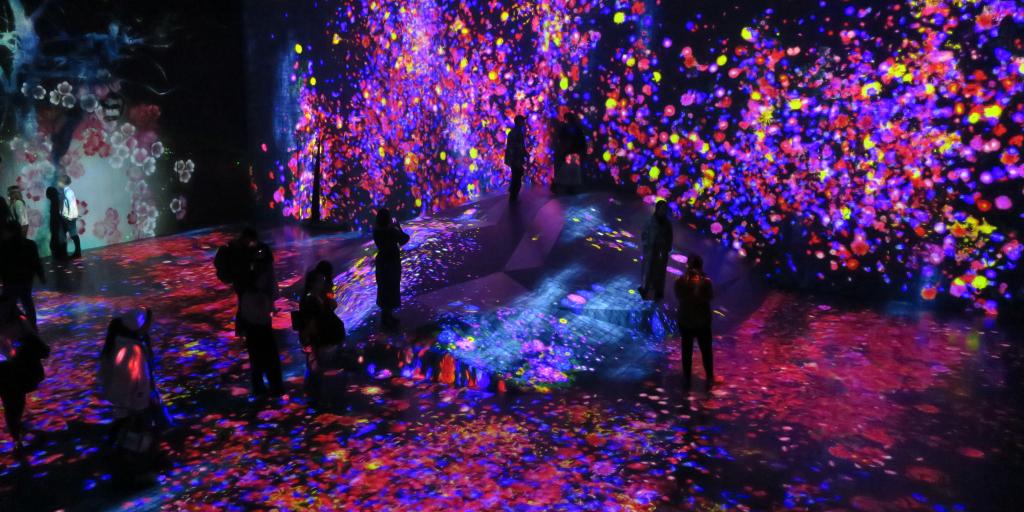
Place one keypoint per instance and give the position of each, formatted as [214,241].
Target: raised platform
[527,375]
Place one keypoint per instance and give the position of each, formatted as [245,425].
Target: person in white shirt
[69,213]
[19,212]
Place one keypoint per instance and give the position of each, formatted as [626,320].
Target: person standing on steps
[694,293]
[389,238]
[516,156]
[69,213]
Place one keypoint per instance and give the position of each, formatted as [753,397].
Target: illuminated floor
[527,377]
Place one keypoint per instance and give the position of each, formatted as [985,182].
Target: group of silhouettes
[246,264]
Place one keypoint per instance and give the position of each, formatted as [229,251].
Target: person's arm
[401,236]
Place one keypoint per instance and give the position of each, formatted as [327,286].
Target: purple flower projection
[858,141]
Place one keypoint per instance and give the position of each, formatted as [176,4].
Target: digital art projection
[837,141]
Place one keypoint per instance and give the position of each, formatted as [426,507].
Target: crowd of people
[246,264]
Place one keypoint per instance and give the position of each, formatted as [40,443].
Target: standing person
[321,329]
[389,238]
[257,293]
[516,155]
[694,293]
[6,214]
[19,264]
[21,366]
[58,233]
[125,372]
[19,212]
[69,213]
[232,263]
[657,243]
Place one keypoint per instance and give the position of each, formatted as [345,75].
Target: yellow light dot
[796,104]
[473,153]
[620,18]
[974,118]
[654,173]
[868,143]
[563,83]
[444,156]
[419,203]
[657,76]
[335,39]
[674,138]
[609,103]
[631,61]
[493,76]
[607,156]
[298,49]
[504,16]
[747,34]
[722,59]
[312,80]
[980,282]
[993,112]
[463,63]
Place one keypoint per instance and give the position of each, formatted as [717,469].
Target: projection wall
[111,94]
[836,141]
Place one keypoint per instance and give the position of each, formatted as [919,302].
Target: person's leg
[272,361]
[687,349]
[704,340]
[517,183]
[72,230]
[14,407]
[255,361]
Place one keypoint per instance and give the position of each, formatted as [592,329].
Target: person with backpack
[125,371]
[321,331]
[694,293]
[257,290]
[21,366]
[232,262]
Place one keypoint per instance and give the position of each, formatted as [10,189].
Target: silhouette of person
[694,293]
[126,362]
[21,367]
[69,213]
[58,231]
[19,212]
[322,330]
[389,238]
[516,155]
[657,243]
[6,213]
[19,264]
[257,292]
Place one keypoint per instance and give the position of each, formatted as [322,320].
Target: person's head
[136,320]
[661,208]
[52,193]
[249,237]
[64,181]
[695,262]
[14,193]
[569,117]
[520,121]
[383,218]
[324,268]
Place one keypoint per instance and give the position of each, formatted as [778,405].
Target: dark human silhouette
[58,231]
[694,293]
[257,290]
[570,149]
[516,156]
[389,238]
[6,214]
[321,331]
[19,265]
[125,372]
[657,244]
[233,261]
[21,367]
[19,211]
[69,213]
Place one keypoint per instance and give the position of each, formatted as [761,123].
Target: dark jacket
[694,293]
[19,262]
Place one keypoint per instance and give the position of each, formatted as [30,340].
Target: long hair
[383,218]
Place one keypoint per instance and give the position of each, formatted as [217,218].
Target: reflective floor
[527,375]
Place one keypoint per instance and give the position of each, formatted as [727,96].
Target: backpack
[223,261]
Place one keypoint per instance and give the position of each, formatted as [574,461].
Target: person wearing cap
[21,366]
[19,211]
[69,213]
[19,265]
